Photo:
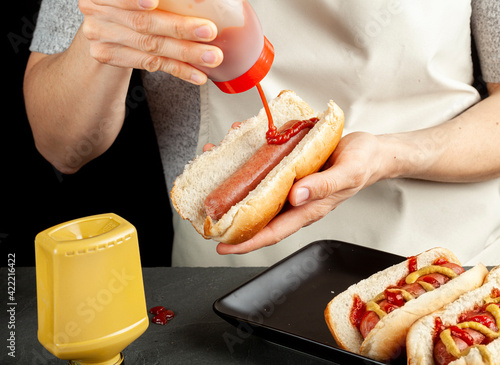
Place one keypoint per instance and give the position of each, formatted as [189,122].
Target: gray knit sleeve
[57,23]
[486,31]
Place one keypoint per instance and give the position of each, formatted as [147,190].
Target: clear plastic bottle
[248,55]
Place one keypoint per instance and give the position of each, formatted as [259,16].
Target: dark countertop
[195,336]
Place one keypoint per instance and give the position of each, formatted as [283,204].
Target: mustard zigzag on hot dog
[386,338]
[208,170]
[413,286]
[466,331]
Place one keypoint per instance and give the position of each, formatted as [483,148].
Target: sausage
[456,268]
[414,289]
[370,319]
[245,179]
[368,322]
[442,356]
[485,318]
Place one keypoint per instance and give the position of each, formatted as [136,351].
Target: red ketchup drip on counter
[161,315]
[275,137]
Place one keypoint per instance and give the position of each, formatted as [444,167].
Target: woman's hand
[358,161]
[116,37]
[134,34]
[461,150]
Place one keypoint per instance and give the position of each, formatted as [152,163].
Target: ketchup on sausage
[396,296]
[239,184]
[458,338]
[247,177]
[273,136]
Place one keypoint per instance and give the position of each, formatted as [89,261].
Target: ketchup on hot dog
[415,284]
[273,136]
[477,328]
[238,185]
[241,182]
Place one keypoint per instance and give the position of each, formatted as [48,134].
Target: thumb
[313,187]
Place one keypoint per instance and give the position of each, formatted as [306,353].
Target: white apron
[392,66]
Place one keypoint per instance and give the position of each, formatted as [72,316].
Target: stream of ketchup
[274,136]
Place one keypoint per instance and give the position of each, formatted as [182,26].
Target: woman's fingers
[282,226]
[122,34]
[115,38]
[121,4]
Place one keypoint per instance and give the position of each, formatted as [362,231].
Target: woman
[418,165]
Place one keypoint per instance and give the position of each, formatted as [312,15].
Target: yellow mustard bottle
[90,291]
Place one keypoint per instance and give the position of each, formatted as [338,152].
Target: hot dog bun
[419,342]
[387,339]
[211,168]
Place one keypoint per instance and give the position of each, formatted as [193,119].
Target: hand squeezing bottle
[248,55]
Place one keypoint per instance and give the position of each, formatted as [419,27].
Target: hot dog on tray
[372,317]
[465,331]
[235,211]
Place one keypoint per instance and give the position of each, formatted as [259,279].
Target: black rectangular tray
[285,304]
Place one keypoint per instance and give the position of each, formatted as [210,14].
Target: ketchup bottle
[248,55]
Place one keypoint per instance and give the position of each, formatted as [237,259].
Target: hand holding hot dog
[134,34]
[358,161]
[197,195]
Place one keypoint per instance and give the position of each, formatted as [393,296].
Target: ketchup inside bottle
[273,136]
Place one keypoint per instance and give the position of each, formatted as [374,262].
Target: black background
[126,180]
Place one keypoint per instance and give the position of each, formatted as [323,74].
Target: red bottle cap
[254,75]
